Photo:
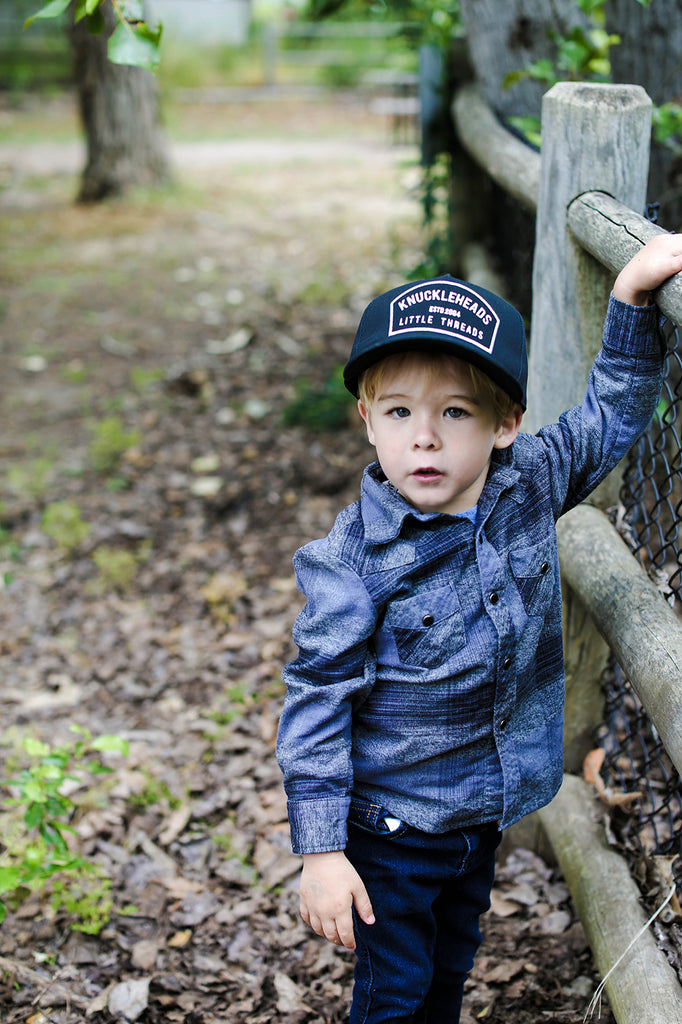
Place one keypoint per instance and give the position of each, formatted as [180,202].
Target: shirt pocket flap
[428,627]
[533,570]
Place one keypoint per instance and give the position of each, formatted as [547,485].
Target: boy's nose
[426,436]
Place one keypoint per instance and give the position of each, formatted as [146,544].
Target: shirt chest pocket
[427,628]
[533,572]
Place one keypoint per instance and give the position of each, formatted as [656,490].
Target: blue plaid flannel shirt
[430,670]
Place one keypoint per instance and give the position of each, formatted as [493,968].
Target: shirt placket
[494,582]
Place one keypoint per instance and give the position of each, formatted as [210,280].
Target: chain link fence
[648,825]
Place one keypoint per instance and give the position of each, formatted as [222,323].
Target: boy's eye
[455,413]
[400,412]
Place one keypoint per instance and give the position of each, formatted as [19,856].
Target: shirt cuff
[318,825]
[633,330]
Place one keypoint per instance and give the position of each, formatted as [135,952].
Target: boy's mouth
[427,473]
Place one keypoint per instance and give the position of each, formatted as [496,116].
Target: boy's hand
[660,258]
[330,887]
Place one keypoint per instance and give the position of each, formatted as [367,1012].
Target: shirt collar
[384,510]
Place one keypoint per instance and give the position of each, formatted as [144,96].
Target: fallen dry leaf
[129,999]
[592,774]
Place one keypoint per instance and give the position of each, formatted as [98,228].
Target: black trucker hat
[444,315]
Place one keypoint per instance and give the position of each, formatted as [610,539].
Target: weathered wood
[643,989]
[594,137]
[585,658]
[613,234]
[509,161]
[639,626]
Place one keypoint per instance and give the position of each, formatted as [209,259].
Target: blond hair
[485,390]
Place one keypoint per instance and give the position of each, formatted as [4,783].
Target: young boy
[424,711]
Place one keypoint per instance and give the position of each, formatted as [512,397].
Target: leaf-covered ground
[150,349]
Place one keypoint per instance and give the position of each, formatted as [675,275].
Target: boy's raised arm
[658,260]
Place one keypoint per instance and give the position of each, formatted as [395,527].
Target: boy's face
[433,437]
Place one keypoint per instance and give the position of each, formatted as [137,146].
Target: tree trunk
[506,36]
[650,56]
[120,114]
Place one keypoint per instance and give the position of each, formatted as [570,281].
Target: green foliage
[132,42]
[109,442]
[154,792]
[31,479]
[63,522]
[35,855]
[426,21]
[667,120]
[9,550]
[143,379]
[584,55]
[117,567]
[322,407]
[434,197]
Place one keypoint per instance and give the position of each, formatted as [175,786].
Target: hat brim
[354,368]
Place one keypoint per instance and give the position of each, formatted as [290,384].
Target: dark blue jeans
[427,892]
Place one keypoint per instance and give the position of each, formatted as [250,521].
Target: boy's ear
[364,412]
[509,428]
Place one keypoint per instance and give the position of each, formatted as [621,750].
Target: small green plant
[31,479]
[10,551]
[35,855]
[109,442]
[75,372]
[667,121]
[143,379]
[323,407]
[155,791]
[117,566]
[63,522]
[434,198]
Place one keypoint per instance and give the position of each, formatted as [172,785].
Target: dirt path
[150,350]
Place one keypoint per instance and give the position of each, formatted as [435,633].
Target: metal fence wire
[650,519]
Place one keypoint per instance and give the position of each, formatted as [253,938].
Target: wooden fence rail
[588,190]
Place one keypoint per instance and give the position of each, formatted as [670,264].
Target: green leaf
[132,10]
[95,23]
[9,880]
[50,10]
[33,815]
[35,748]
[34,792]
[600,66]
[137,45]
[111,743]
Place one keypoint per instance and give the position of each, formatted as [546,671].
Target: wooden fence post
[594,138]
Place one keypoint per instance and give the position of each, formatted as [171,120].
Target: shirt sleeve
[622,393]
[335,669]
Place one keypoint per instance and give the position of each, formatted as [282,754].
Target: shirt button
[507,663]
[504,722]
[428,620]
[494,597]
[544,568]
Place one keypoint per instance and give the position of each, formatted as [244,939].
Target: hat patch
[456,312]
